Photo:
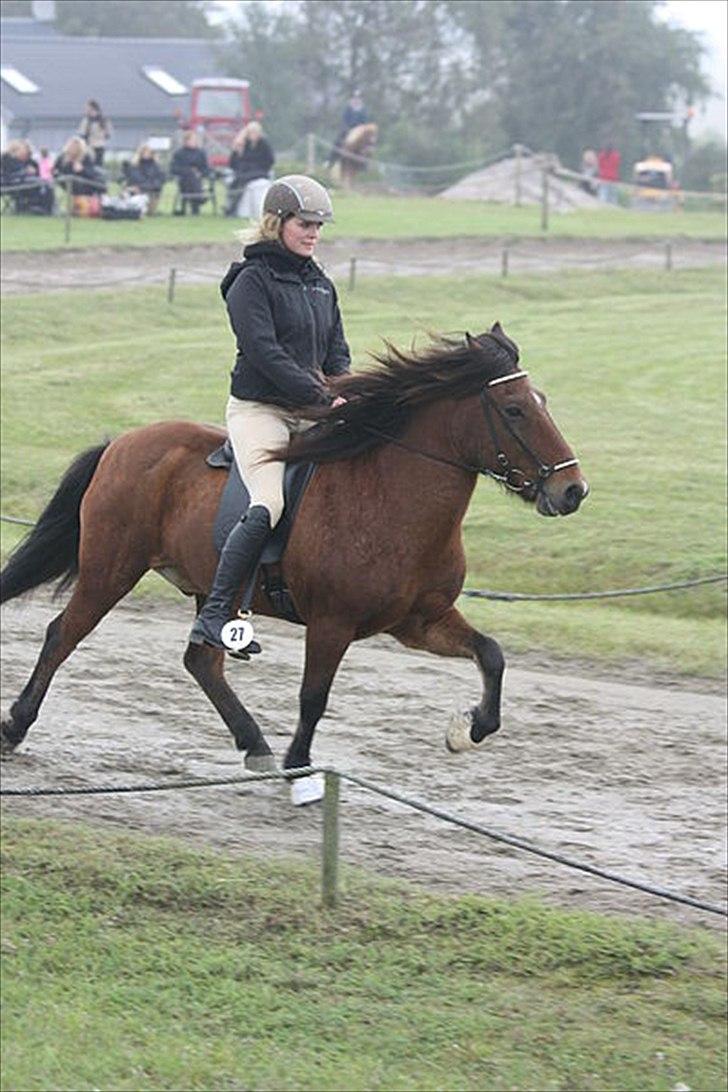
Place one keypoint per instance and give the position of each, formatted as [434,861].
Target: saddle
[235,501]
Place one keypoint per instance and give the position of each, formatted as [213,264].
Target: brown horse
[376,546]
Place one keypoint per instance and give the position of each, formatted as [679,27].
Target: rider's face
[300,236]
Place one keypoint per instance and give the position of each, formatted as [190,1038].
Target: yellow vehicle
[655,185]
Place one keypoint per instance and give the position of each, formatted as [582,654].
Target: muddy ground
[130,266]
[626,774]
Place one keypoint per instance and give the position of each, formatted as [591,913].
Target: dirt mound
[499,182]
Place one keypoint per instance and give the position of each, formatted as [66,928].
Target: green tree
[566,74]
[304,59]
[134,18]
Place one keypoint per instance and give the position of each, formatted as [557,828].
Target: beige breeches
[256,429]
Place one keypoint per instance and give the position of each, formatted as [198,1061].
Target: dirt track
[131,266]
[629,776]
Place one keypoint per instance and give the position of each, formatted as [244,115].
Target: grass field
[632,364]
[374,217]
[136,963]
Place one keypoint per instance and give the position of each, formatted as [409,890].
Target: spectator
[251,159]
[609,160]
[75,169]
[589,171]
[189,166]
[45,165]
[354,114]
[95,129]
[144,175]
[19,174]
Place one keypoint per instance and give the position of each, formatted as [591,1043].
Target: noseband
[511,476]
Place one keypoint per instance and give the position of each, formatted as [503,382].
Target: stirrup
[238,636]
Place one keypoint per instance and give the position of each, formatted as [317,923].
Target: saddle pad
[235,500]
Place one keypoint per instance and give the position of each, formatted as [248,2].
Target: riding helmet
[298,195]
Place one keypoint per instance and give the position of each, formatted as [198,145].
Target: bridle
[513,478]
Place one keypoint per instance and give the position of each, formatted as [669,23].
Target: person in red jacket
[609,160]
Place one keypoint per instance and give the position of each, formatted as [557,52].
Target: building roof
[70,70]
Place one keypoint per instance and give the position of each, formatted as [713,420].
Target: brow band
[506,378]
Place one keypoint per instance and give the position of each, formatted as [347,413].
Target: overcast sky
[710,19]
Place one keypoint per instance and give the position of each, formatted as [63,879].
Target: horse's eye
[514,411]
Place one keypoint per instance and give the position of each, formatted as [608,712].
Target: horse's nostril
[573,495]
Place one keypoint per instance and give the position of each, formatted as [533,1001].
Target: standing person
[96,130]
[589,171]
[285,316]
[609,160]
[45,165]
[189,166]
[251,158]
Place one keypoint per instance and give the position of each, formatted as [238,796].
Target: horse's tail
[50,550]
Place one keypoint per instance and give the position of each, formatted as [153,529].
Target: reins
[507,471]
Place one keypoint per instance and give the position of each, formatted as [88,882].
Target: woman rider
[285,316]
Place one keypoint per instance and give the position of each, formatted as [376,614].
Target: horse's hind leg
[207,667]
[451,635]
[91,600]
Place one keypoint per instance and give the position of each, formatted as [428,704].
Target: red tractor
[219,108]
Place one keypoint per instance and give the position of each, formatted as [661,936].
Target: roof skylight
[163,80]
[17,80]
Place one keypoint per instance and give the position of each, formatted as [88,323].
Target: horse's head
[519,443]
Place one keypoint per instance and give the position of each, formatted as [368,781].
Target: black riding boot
[239,555]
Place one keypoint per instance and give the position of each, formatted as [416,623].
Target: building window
[162,79]
[18,81]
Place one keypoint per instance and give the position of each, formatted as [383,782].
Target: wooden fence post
[668,256]
[352,273]
[330,854]
[544,199]
[69,209]
[170,284]
[504,262]
[518,149]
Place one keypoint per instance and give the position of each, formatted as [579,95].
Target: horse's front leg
[451,635]
[326,643]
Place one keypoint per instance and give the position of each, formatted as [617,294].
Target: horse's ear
[472,342]
[497,329]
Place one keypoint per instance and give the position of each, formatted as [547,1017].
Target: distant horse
[376,546]
[354,153]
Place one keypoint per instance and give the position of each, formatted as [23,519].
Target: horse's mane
[380,400]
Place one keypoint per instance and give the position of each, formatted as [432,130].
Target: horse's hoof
[307,790]
[458,737]
[6,744]
[260,763]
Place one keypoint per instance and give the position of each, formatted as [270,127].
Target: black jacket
[285,315]
[146,175]
[255,161]
[189,159]
[85,182]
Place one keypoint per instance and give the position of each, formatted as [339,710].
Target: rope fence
[331,825]
[517,597]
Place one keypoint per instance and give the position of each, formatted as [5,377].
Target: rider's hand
[338,401]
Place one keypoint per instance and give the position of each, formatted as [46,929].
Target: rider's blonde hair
[267,230]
